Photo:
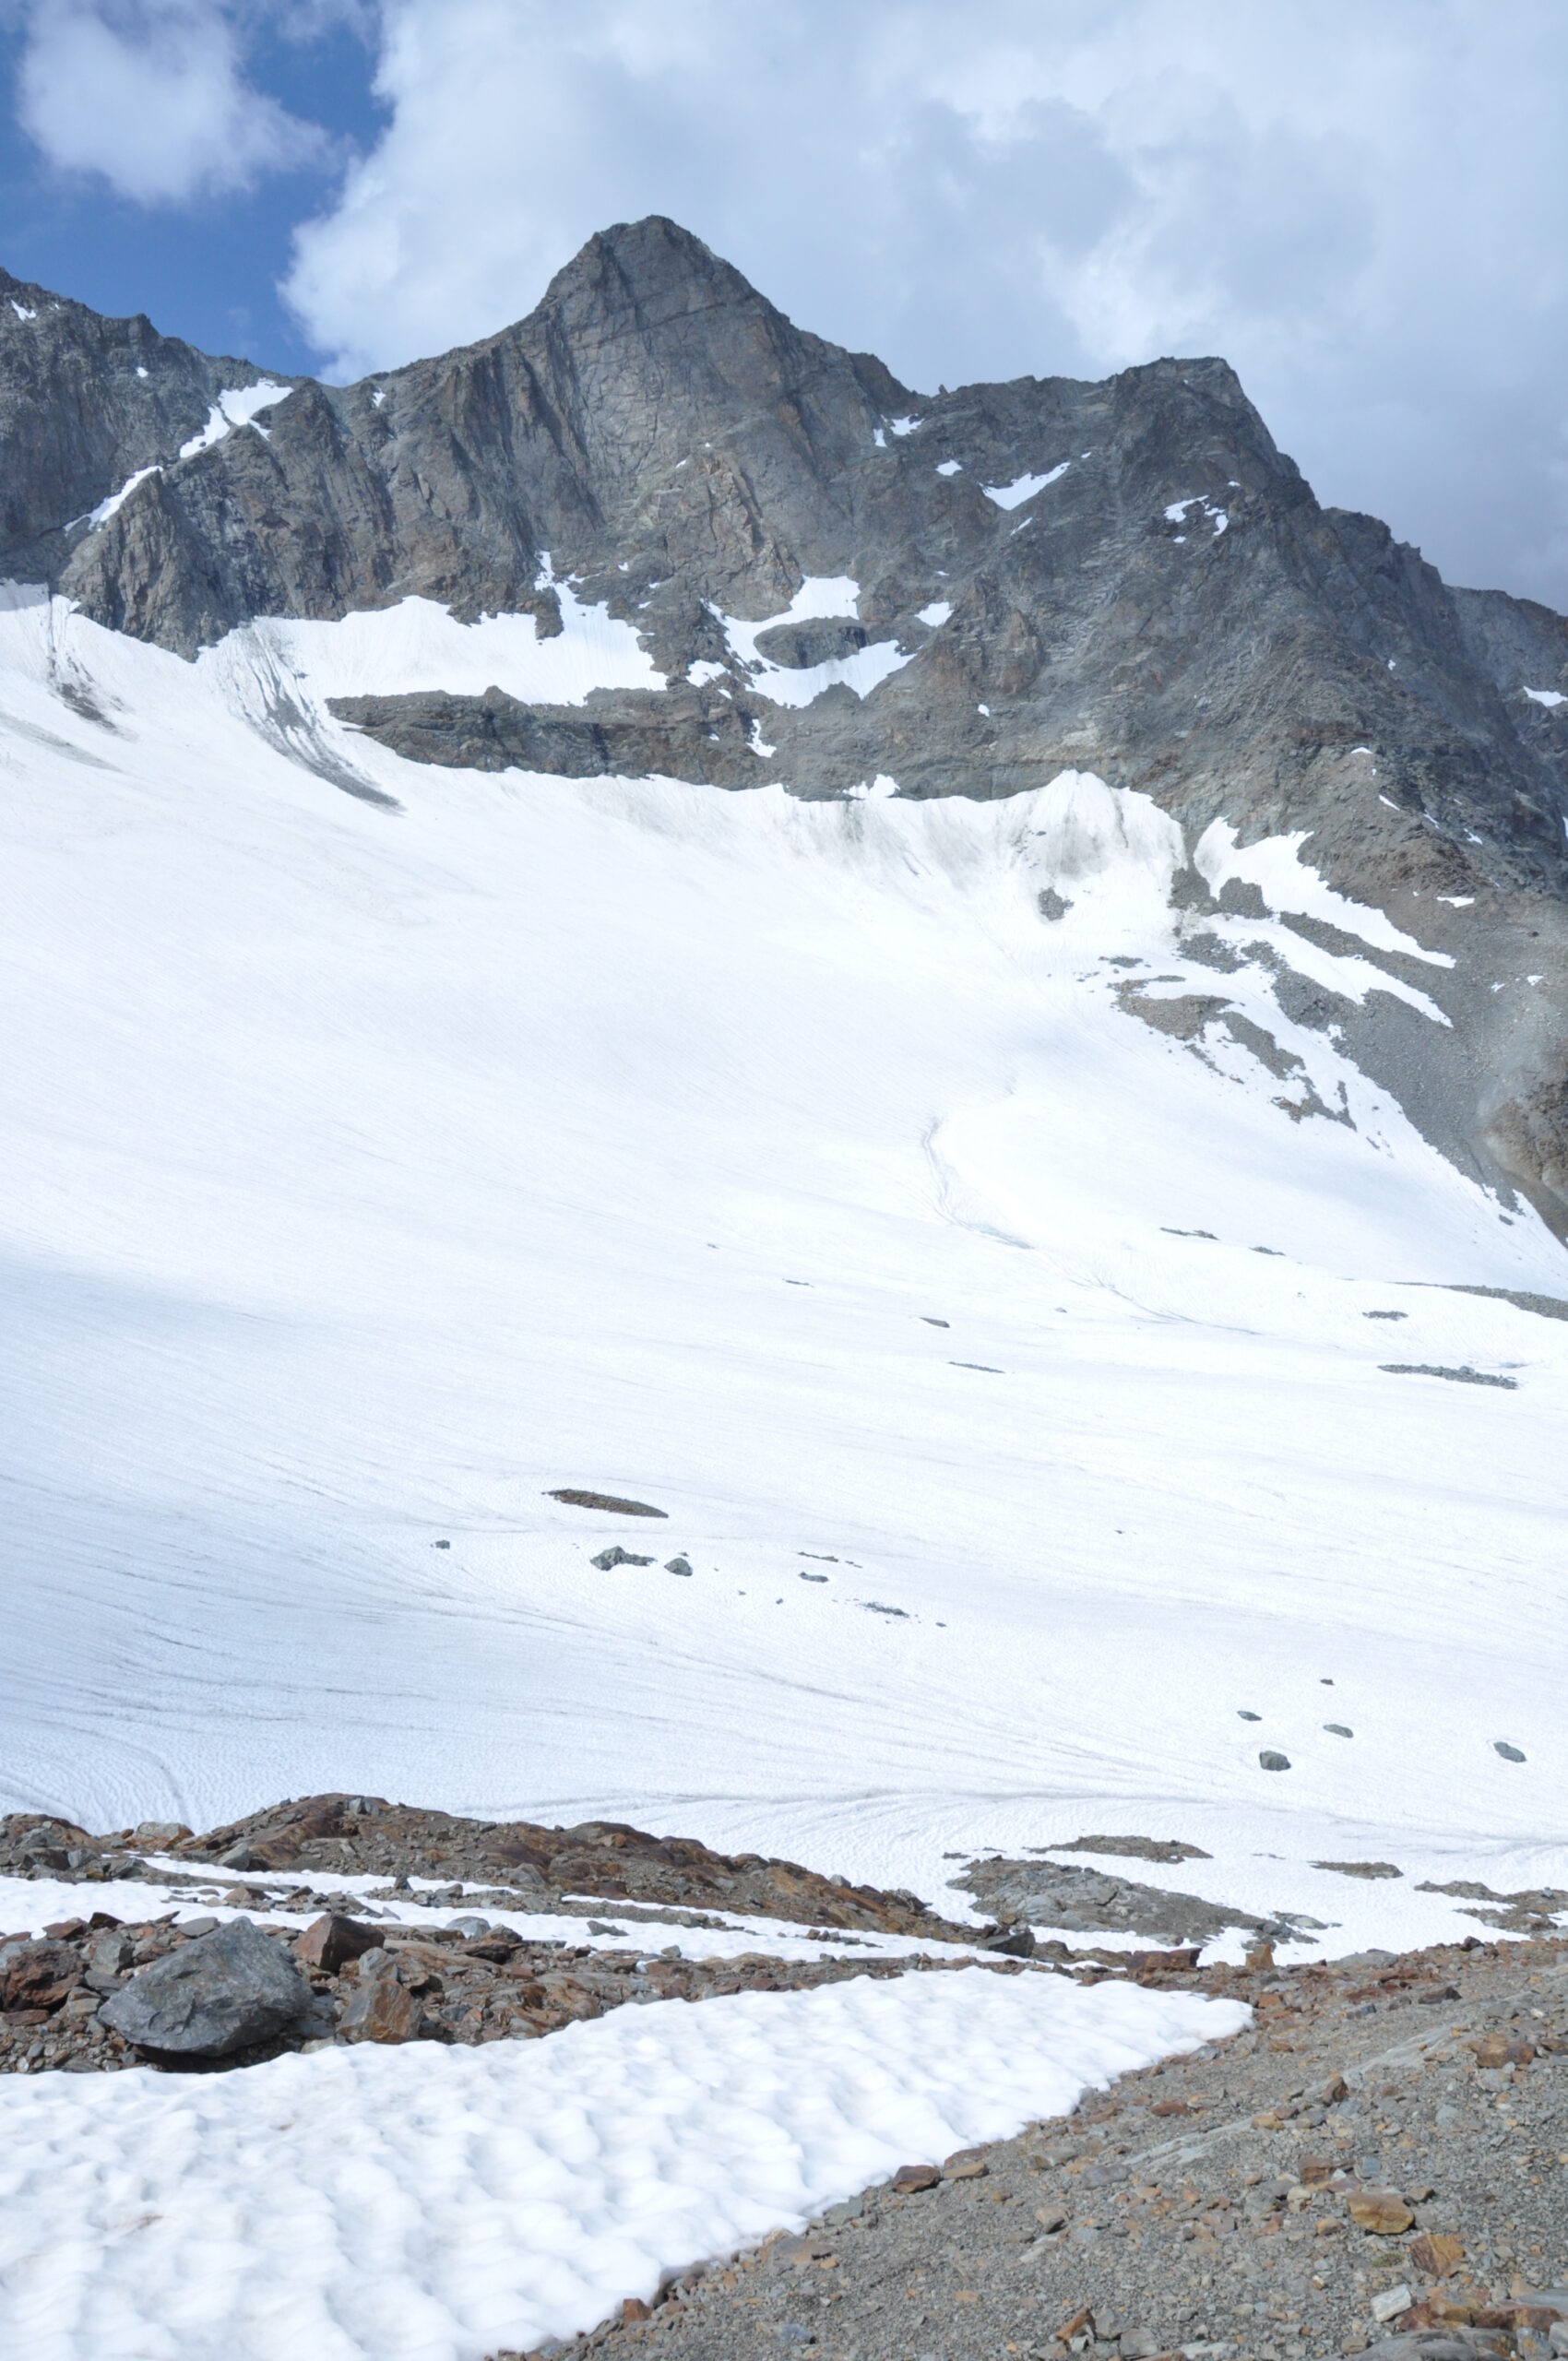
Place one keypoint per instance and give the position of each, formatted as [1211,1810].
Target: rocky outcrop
[364,1836]
[1051,1894]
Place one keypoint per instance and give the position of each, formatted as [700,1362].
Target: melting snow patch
[419,2199]
[116,500]
[1546,696]
[821,598]
[704,671]
[1275,866]
[22,311]
[1022,488]
[141,371]
[936,615]
[378,396]
[950,467]
[1177,514]
[236,406]
[903,425]
[880,439]
[1458,901]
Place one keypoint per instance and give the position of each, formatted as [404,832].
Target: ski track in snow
[437,2204]
[371,1172]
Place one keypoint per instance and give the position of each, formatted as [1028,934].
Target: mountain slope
[995,1201]
[832,580]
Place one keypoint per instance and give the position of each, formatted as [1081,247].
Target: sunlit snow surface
[371,1172]
[437,2204]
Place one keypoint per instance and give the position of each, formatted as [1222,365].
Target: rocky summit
[847,586]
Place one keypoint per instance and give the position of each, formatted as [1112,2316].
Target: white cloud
[152,97]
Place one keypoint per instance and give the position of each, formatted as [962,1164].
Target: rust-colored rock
[1380,2211]
[381,2008]
[330,1942]
[37,1974]
[909,2178]
[1436,2253]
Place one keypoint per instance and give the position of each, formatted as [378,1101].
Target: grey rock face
[1050,1894]
[85,403]
[226,1991]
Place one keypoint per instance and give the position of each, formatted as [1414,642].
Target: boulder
[224,1992]
[381,2008]
[331,1941]
[37,1974]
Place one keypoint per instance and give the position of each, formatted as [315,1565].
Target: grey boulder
[225,1991]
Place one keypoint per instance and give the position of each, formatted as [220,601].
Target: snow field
[373,1172]
[431,2202]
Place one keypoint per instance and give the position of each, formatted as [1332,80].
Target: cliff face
[841,581]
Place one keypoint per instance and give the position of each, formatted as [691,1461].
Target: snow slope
[441,2203]
[372,1171]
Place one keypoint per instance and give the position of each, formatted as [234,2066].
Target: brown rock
[381,2009]
[1436,2253]
[331,1941]
[1382,2211]
[968,2163]
[908,2178]
[37,1974]
[1069,2328]
[634,2308]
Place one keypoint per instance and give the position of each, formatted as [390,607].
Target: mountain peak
[650,267]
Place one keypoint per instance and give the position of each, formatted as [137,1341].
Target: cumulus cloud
[152,97]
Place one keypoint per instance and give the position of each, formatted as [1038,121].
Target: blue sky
[1361,209]
[207,267]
